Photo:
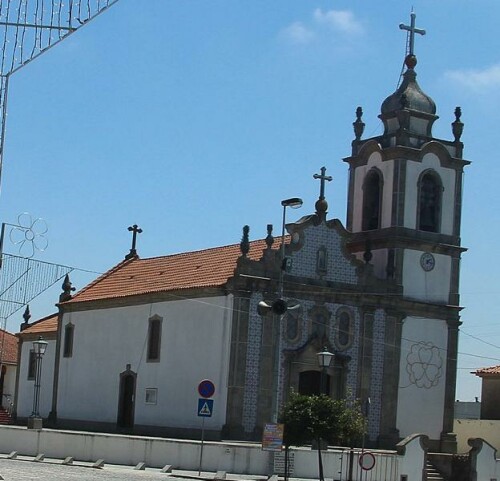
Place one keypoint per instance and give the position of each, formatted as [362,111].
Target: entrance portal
[126,400]
[310,383]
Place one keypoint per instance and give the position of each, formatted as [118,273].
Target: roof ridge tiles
[43,319]
[204,268]
[207,249]
[103,276]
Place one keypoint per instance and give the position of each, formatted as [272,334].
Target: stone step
[5,417]
[432,474]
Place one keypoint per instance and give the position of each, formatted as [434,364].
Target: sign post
[206,390]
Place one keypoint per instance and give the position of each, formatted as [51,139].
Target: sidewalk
[24,468]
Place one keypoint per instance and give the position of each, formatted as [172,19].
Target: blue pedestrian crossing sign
[205,407]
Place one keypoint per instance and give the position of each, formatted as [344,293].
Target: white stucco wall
[489,430]
[413,171]
[422,376]
[26,386]
[387,169]
[195,342]
[432,286]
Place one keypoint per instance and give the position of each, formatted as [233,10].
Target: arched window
[293,318]
[154,339]
[372,200]
[69,332]
[319,322]
[32,365]
[429,202]
[343,334]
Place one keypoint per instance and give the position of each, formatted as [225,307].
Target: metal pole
[323,381]
[202,443]
[277,353]
[3,123]
[280,281]
[36,393]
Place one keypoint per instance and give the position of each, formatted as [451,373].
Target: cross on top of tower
[135,229]
[323,178]
[412,30]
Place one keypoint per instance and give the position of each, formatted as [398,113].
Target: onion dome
[414,110]
[409,95]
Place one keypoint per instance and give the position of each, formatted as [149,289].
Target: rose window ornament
[424,365]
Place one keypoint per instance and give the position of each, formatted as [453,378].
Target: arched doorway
[126,403]
[310,383]
[303,373]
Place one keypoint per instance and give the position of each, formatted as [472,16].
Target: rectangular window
[154,339]
[32,365]
[151,395]
[68,340]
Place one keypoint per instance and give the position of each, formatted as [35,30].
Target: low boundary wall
[231,457]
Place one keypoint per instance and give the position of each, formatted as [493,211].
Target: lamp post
[324,359]
[279,306]
[294,203]
[39,348]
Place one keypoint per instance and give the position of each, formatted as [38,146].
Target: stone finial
[358,124]
[26,317]
[457,126]
[269,238]
[245,244]
[67,289]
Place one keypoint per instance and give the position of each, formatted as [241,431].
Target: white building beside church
[380,293]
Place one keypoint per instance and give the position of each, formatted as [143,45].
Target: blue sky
[193,118]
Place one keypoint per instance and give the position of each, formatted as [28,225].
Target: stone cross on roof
[412,30]
[323,178]
[135,230]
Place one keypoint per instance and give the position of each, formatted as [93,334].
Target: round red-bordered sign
[367,461]
[206,388]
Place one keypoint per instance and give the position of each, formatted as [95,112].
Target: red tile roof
[8,347]
[43,326]
[188,270]
[488,371]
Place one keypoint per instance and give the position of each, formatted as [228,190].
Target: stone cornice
[149,298]
[403,237]
[369,146]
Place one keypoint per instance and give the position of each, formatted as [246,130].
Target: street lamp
[39,348]
[324,359]
[293,203]
[279,307]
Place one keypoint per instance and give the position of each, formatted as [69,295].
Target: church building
[381,293]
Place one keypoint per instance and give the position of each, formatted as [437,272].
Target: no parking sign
[206,388]
[367,461]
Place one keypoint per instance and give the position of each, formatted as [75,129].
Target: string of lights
[23,279]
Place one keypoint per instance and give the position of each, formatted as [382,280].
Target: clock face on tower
[427,261]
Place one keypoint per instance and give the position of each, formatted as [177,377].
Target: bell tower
[404,205]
